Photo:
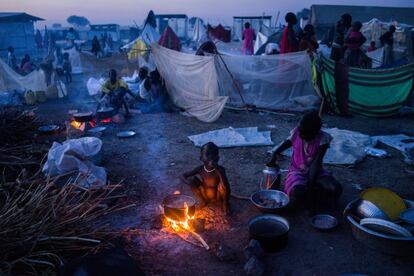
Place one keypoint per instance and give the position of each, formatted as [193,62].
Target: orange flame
[177,225]
[76,124]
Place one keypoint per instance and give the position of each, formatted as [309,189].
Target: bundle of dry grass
[17,148]
[43,224]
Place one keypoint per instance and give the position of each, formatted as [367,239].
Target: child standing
[306,173]
[67,68]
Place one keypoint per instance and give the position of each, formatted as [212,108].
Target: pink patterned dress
[303,155]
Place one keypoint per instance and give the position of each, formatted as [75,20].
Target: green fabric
[374,93]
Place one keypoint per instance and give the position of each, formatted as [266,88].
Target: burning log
[179,215]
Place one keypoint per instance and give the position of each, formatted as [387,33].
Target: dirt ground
[150,163]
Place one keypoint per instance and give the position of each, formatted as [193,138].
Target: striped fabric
[373,93]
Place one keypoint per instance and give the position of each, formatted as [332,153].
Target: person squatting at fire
[306,177]
[209,181]
[114,91]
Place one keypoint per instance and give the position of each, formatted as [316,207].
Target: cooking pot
[271,231]
[105,113]
[82,117]
[174,207]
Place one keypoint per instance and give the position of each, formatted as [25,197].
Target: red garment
[286,45]
[248,37]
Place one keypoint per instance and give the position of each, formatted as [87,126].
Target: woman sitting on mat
[306,175]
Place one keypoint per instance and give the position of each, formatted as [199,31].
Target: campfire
[179,213]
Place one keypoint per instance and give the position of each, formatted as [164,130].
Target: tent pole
[232,78]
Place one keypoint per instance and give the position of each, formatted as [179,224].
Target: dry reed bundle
[43,224]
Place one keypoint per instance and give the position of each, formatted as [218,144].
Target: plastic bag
[75,154]
[94,86]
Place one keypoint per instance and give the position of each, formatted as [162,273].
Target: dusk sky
[124,12]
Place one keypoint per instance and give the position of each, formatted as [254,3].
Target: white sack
[94,86]
[74,155]
[191,82]
[233,137]
[400,142]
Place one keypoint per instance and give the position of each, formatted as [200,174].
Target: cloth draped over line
[93,67]
[367,92]
[202,85]
[11,80]
[191,82]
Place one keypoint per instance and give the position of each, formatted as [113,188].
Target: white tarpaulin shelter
[261,39]
[202,84]
[233,137]
[11,80]
[191,81]
[199,32]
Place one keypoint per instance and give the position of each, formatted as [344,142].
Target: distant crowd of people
[345,40]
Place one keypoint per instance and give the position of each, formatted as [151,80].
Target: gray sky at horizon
[124,12]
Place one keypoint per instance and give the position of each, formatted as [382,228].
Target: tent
[375,28]
[274,38]
[11,80]
[202,85]
[199,32]
[140,45]
[170,40]
[261,39]
[219,33]
[367,92]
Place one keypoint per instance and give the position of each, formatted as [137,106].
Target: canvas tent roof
[9,17]
[148,36]
[170,40]
[219,33]
[330,14]
[199,31]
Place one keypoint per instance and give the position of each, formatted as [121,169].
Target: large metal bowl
[271,231]
[279,197]
[381,242]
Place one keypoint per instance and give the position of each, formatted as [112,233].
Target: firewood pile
[45,222]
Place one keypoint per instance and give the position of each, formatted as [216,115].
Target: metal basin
[386,244]
[271,231]
[270,201]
